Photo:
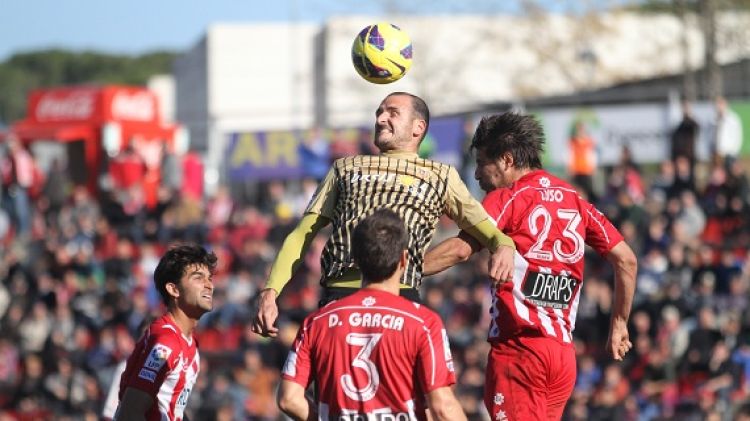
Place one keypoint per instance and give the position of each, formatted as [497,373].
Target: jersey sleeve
[323,201]
[601,234]
[434,362]
[460,205]
[157,359]
[298,365]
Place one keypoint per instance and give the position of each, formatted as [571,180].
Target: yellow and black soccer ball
[382,53]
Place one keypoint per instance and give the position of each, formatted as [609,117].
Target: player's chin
[384,141]
[203,307]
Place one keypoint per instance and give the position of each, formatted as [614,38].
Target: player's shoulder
[164,330]
[497,194]
[414,311]
[425,313]
[344,162]
[547,180]
[314,315]
[440,169]
[436,164]
[376,299]
[538,180]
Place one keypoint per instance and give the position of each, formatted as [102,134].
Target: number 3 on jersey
[367,341]
[538,252]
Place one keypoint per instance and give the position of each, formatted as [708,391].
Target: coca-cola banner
[308,153]
[93,105]
[64,105]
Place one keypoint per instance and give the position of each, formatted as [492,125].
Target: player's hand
[500,266]
[618,343]
[266,314]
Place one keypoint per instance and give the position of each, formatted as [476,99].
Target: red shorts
[529,378]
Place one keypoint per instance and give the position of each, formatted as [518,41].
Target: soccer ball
[381,53]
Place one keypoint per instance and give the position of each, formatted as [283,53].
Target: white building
[241,78]
[244,78]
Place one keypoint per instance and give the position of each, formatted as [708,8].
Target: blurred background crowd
[76,290]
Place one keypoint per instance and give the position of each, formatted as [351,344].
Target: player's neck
[519,173]
[388,286]
[406,147]
[183,321]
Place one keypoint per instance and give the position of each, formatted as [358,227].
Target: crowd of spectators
[76,291]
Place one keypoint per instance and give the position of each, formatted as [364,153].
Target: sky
[138,26]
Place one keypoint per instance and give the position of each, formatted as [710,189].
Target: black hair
[176,262]
[378,243]
[521,135]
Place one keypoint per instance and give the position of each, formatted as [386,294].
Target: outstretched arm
[471,216]
[501,247]
[450,252]
[290,257]
[459,249]
[625,266]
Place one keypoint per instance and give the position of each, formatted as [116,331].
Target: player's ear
[418,127]
[404,258]
[508,159]
[172,289]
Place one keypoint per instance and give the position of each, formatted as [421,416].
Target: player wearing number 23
[372,354]
[532,367]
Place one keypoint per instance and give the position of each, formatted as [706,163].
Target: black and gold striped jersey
[419,190]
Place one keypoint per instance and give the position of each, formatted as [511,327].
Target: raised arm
[288,260]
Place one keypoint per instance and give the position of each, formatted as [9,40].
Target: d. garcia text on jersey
[548,290]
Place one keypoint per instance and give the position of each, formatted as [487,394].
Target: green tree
[24,72]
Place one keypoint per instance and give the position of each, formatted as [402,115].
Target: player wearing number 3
[372,354]
[532,368]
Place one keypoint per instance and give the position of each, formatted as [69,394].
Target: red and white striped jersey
[372,355]
[550,224]
[165,365]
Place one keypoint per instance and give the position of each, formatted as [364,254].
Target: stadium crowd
[76,292]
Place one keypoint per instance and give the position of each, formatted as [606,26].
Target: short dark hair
[378,242]
[176,262]
[420,109]
[521,135]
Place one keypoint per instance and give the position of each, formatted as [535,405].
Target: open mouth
[384,129]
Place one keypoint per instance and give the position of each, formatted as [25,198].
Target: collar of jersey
[530,175]
[400,154]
